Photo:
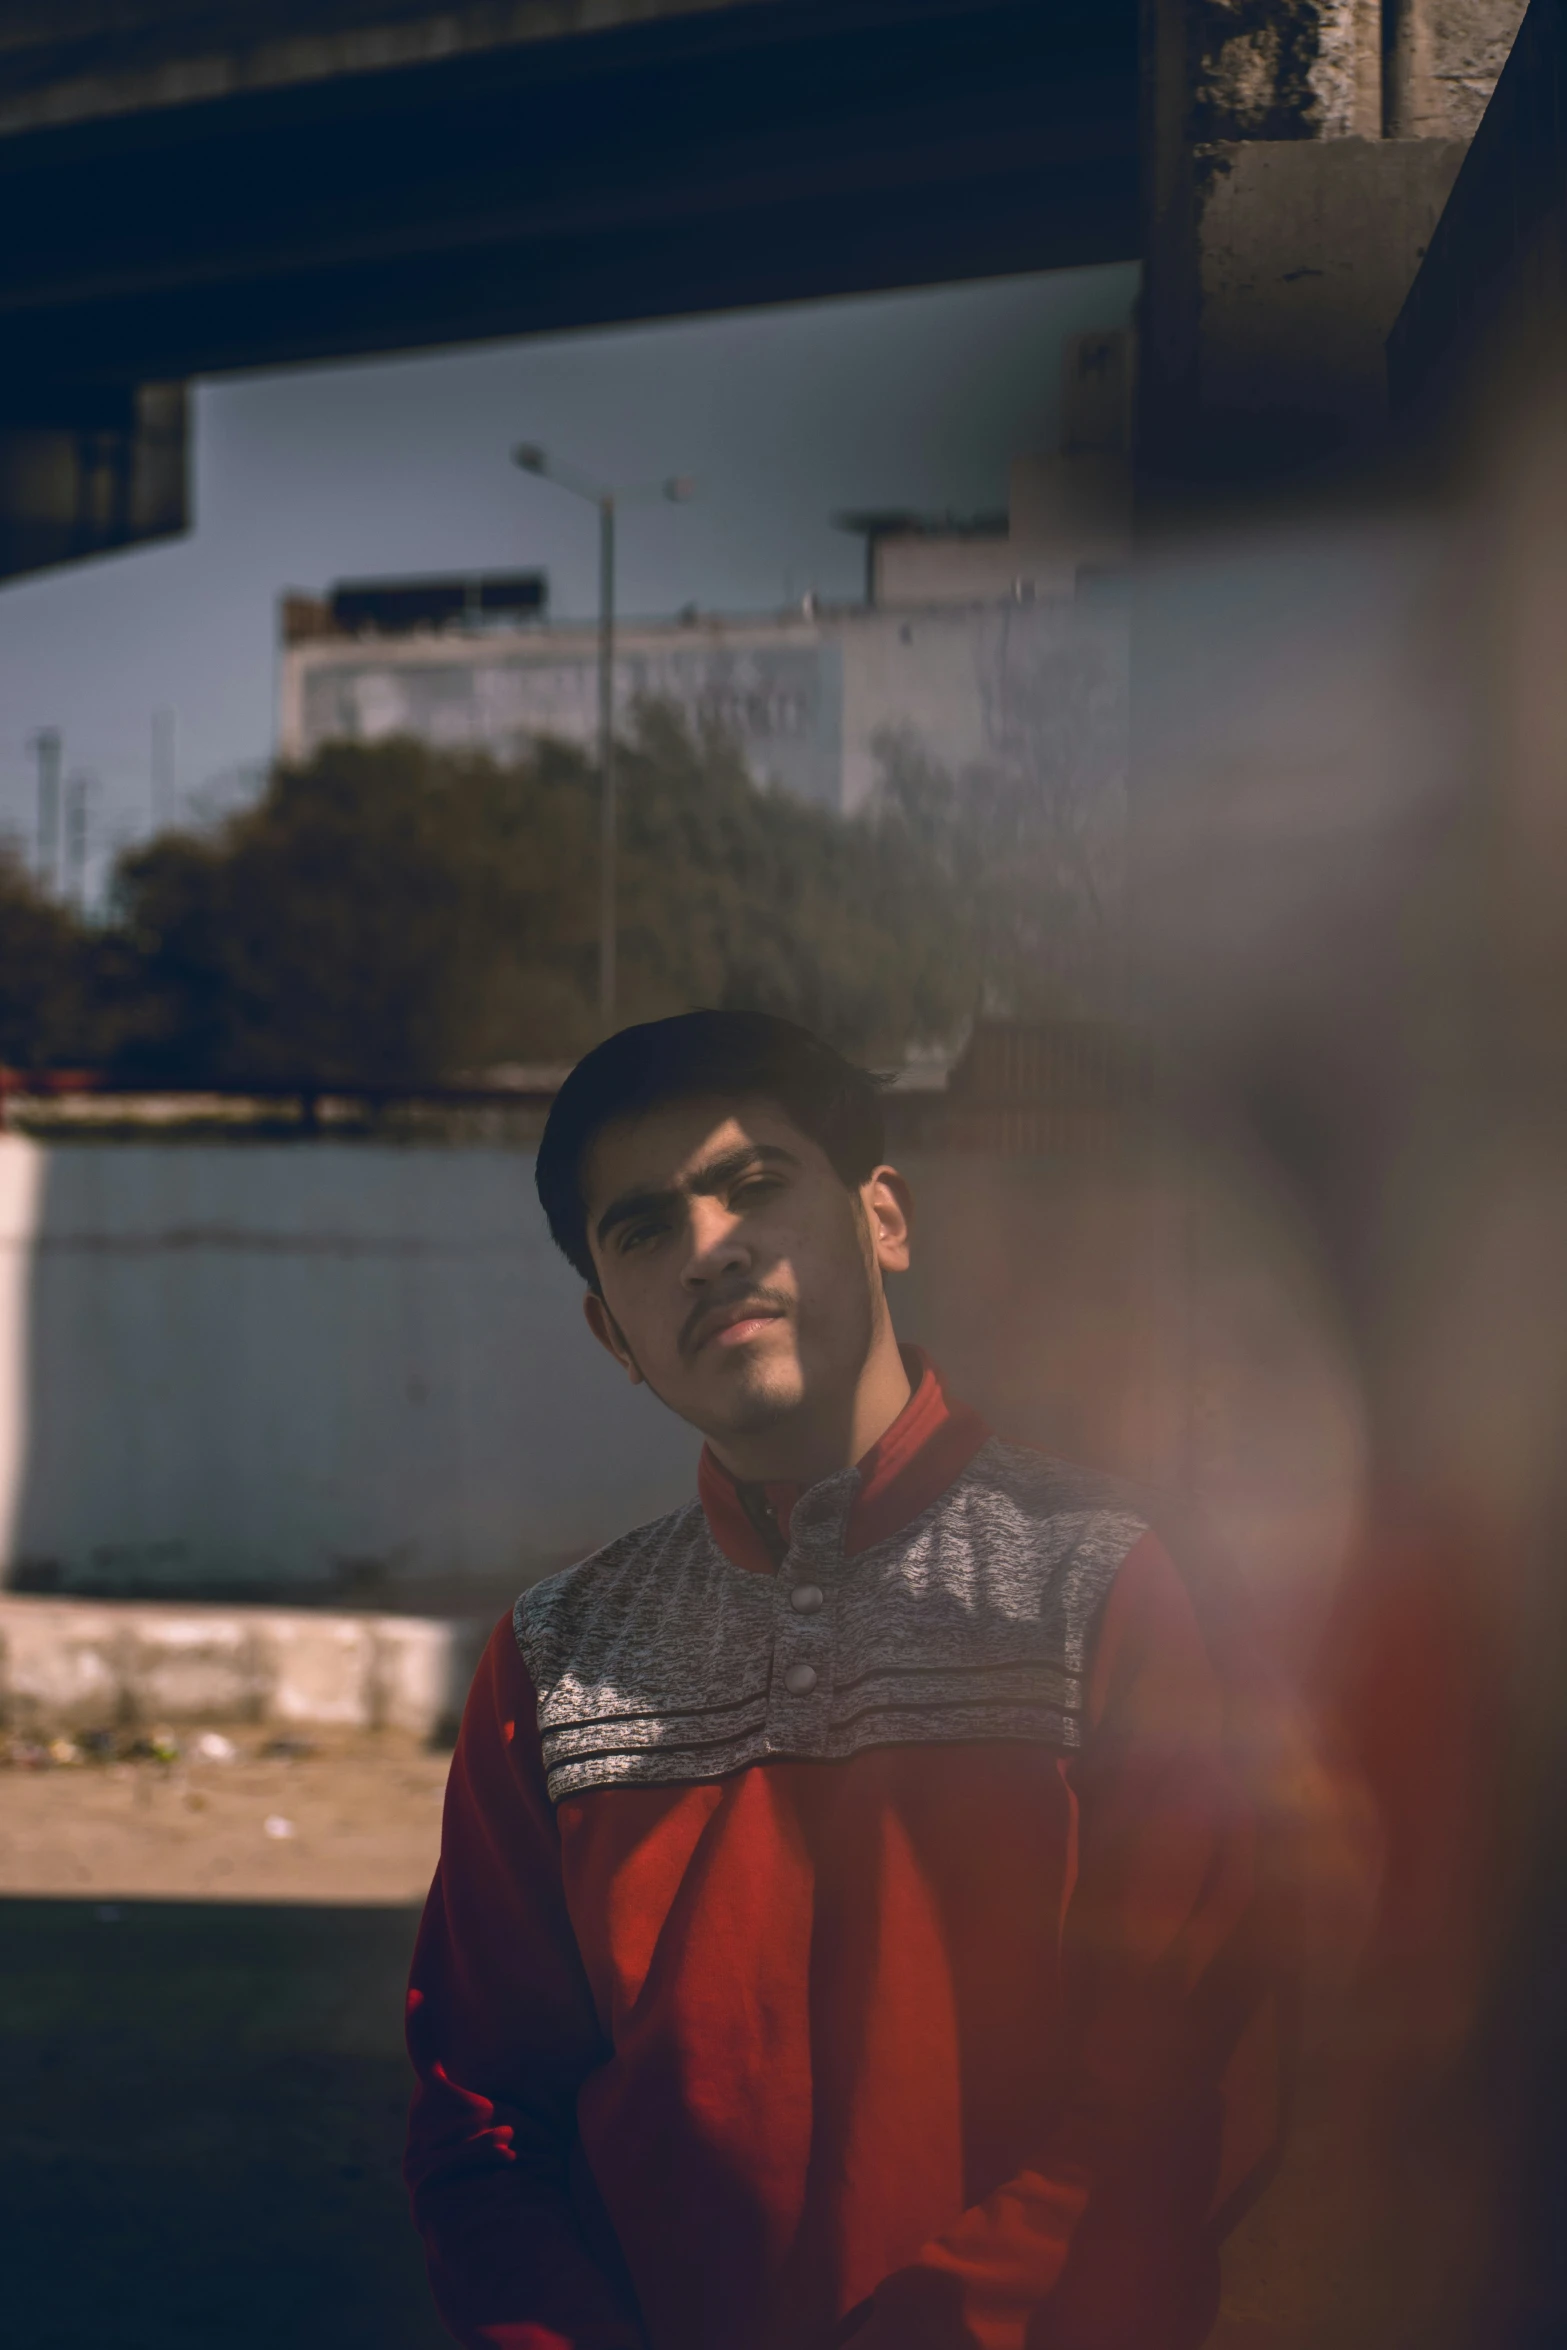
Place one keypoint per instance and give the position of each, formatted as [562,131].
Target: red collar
[910,1463]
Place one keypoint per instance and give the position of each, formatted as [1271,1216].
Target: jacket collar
[910,1464]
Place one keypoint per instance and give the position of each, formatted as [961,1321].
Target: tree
[402,915]
[398,914]
[49,978]
[752,899]
[1029,839]
[372,918]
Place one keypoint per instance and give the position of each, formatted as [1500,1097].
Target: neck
[817,1442]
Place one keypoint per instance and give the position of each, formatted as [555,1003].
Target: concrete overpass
[194,185]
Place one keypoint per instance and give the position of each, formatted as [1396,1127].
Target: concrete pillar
[1441,62]
[1284,224]
[88,469]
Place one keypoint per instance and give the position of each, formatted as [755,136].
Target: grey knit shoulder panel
[659,1660]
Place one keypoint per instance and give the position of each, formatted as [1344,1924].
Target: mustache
[700,1321]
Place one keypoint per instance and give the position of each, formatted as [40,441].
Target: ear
[889,1213]
[609,1334]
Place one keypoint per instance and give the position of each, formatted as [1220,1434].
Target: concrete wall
[1308,249]
[1298,154]
[288,1369]
[319,1366]
[81,1664]
[1443,62]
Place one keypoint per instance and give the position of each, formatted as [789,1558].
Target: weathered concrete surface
[1307,250]
[1443,62]
[1336,69]
[249,1370]
[1283,69]
[1296,163]
[75,1665]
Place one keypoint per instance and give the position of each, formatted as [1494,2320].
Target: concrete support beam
[1483,328]
[1284,228]
[1305,251]
[85,470]
[191,186]
[1443,58]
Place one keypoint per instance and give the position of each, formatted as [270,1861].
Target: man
[829,1940]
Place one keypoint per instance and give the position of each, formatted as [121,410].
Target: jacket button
[800,1680]
[806,1598]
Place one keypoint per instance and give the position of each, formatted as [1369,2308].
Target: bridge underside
[688,163]
[749,154]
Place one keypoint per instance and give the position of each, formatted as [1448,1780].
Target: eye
[753,1188]
[638,1235]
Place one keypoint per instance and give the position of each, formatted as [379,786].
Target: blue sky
[784,417]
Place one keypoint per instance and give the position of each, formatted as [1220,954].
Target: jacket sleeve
[1102,2241]
[502,2032]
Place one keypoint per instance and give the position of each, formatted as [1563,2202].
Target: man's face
[739,1276]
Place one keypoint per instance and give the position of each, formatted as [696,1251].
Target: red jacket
[893,2008]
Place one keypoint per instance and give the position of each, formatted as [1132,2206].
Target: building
[812,695]
[1069,514]
[961,624]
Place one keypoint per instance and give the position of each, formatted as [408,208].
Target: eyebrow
[708,1178]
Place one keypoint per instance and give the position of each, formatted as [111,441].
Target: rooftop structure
[400,607]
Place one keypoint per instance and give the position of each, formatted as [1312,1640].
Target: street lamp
[532,459]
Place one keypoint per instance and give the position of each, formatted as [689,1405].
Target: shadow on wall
[338,1371]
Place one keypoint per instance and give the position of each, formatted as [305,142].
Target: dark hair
[728,1054]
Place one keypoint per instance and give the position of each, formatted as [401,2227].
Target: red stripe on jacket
[920,2049]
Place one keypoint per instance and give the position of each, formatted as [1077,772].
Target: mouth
[735,1326]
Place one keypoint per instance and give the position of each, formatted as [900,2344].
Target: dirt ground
[353,1819]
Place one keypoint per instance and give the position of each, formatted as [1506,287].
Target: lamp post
[532,459]
[45,746]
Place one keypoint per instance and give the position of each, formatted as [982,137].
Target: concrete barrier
[77,1665]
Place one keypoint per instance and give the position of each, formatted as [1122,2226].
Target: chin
[756,1399]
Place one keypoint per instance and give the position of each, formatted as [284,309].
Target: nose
[716,1246]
